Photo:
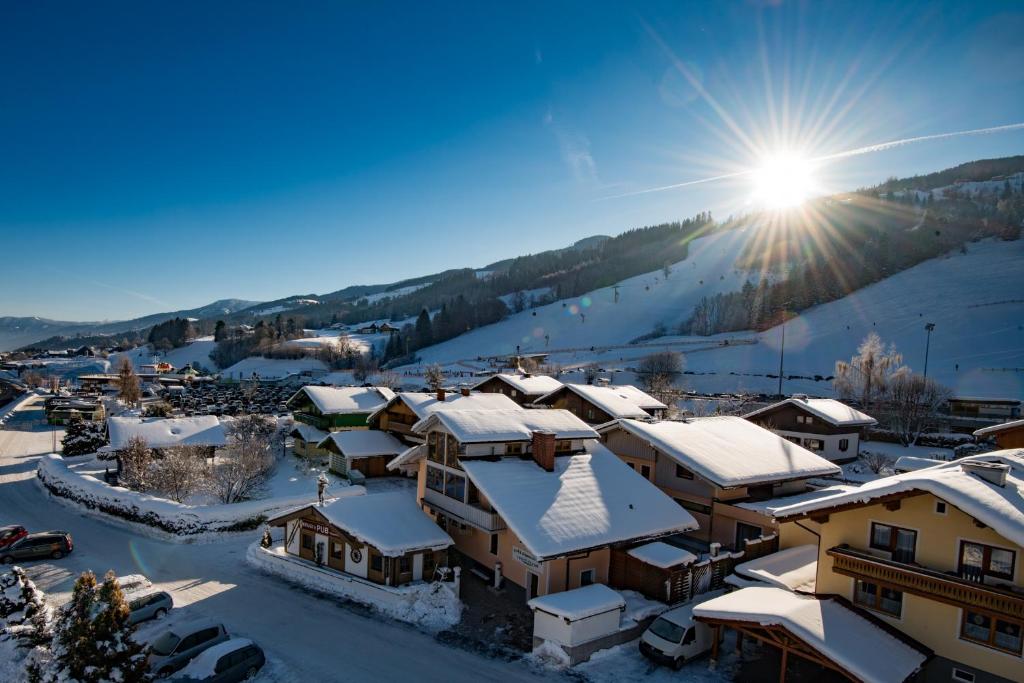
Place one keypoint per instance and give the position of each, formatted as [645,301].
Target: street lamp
[927,344]
[782,347]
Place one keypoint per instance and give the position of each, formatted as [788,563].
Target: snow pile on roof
[205,664]
[729,451]
[838,633]
[345,400]
[663,555]
[308,433]
[273,368]
[768,506]
[1000,507]
[158,432]
[617,401]
[475,426]
[590,500]
[364,443]
[579,603]
[391,522]
[910,463]
[424,404]
[995,429]
[531,385]
[828,409]
[408,457]
[794,569]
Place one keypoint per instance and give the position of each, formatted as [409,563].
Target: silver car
[145,605]
[179,644]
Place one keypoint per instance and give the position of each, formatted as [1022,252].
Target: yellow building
[935,553]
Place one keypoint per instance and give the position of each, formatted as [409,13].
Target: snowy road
[315,639]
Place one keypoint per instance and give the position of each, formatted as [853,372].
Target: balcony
[928,583]
[464,512]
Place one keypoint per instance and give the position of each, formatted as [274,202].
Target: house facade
[331,409]
[399,415]
[1006,435]
[600,404]
[824,426]
[365,451]
[522,388]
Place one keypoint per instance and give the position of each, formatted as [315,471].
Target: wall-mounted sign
[525,558]
[322,529]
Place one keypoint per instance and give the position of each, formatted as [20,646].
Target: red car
[11,534]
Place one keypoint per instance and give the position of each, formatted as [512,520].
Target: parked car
[55,544]
[143,605]
[11,534]
[134,582]
[675,638]
[236,659]
[178,645]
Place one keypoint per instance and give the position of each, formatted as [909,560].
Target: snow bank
[175,518]
[15,405]
[430,606]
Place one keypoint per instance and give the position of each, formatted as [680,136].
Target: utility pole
[615,288]
[782,351]
[927,344]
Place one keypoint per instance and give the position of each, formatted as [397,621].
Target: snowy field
[196,351]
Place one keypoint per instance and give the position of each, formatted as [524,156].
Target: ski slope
[196,351]
[976,301]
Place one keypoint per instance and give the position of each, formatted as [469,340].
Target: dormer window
[515,448]
[804,419]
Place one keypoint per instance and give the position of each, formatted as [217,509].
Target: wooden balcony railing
[928,583]
[470,514]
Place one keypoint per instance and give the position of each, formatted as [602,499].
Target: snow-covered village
[692,349]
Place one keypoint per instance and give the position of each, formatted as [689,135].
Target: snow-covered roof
[909,463]
[364,443]
[160,432]
[767,506]
[408,457]
[1000,507]
[828,409]
[391,522]
[531,385]
[995,429]
[579,603]
[205,664]
[837,632]
[345,400]
[794,569]
[589,500]
[274,368]
[663,555]
[308,433]
[423,404]
[729,451]
[618,401]
[484,426]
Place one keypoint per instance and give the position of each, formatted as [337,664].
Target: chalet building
[969,413]
[824,426]
[531,496]
[522,388]
[330,409]
[306,441]
[361,453]
[383,538]
[409,407]
[60,410]
[712,466]
[160,432]
[600,404]
[1006,435]
[937,554]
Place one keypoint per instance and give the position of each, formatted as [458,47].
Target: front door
[532,585]
[320,552]
[357,560]
[417,567]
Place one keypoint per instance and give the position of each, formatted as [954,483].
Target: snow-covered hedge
[8,410]
[167,515]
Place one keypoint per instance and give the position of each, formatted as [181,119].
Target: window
[307,541]
[514,448]
[693,507]
[435,479]
[683,473]
[978,561]
[404,565]
[376,563]
[563,445]
[744,532]
[900,543]
[451,458]
[514,393]
[691,635]
[844,445]
[940,507]
[804,419]
[434,447]
[814,444]
[962,676]
[995,632]
[630,465]
[590,413]
[645,471]
[455,486]
[336,550]
[586,577]
[878,598]
[494,544]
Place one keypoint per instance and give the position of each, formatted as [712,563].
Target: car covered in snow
[236,659]
[11,534]
[134,582]
[52,544]
[178,645]
[148,604]
[674,638]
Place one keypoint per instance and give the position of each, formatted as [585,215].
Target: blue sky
[157,157]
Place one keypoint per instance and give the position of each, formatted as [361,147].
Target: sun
[783,180]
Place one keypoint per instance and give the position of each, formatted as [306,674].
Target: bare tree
[130,392]
[32,378]
[914,400]
[876,461]
[434,376]
[180,472]
[659,371]
[590,372]
[135,459]
[363,367]
[867,375]
[249,461]
[387,378]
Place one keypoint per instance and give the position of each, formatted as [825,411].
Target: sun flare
[783,181]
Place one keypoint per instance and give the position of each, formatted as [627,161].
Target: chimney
[464,390]
[544,449]
[440,394]
[992,472]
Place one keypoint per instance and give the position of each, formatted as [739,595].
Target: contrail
[829,157]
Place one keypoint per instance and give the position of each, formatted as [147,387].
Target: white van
[675,638]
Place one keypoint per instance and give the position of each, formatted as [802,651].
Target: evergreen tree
[130,392]
[75,650]
[82,437]
[120,657]
[424,330]
[219,331]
